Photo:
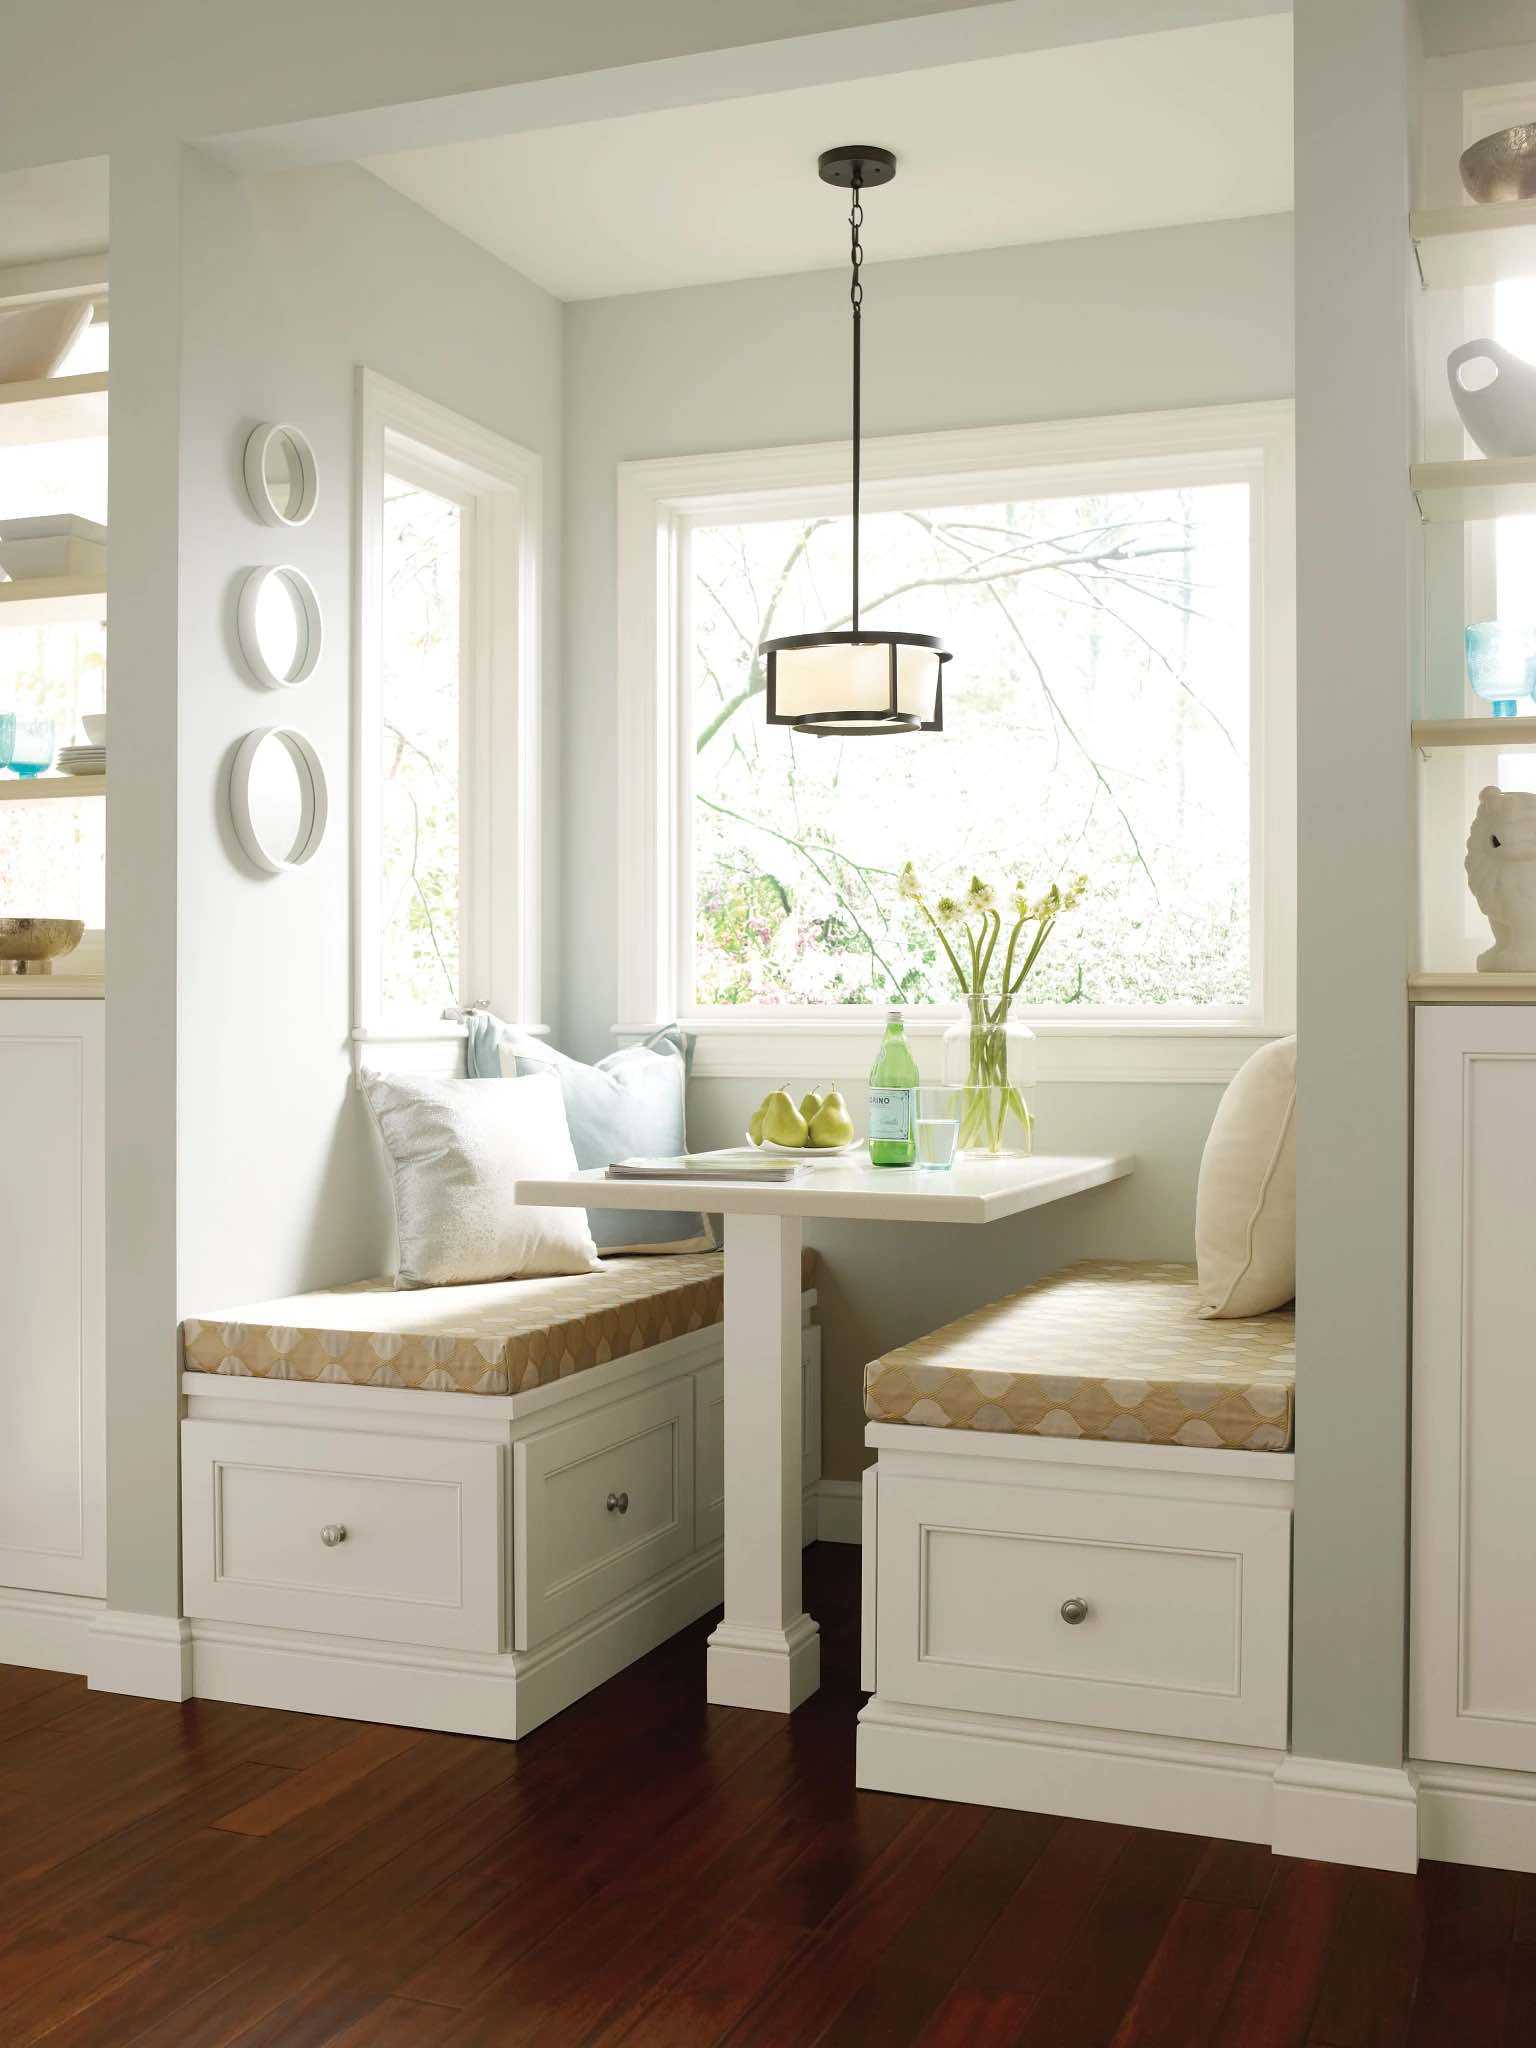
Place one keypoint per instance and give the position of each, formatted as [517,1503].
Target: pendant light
[865,681]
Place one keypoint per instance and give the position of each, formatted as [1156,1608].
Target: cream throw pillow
[456,1151]
[1245,1207]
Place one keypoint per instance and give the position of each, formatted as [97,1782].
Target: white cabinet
[602,1504]
[354,1533]
[1058,1603]
[1473,1667]
[52,1296]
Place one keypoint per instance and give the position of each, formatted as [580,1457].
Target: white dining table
[766,1652]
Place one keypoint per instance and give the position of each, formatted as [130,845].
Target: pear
[755,1122]
[832,1125]
[782,1122]
[810,1102]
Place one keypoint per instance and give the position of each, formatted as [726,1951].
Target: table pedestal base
[771,1669]
[766,1653]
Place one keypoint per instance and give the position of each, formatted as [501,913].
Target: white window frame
[500,485]
[657,502]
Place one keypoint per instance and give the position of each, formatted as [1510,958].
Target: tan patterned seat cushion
[1105,1349]
[495,1337]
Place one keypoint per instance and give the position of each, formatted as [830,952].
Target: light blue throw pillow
[630,1105]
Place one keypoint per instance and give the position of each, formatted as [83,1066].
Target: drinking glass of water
[937,1128]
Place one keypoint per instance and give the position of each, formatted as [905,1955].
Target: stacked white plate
[82,761]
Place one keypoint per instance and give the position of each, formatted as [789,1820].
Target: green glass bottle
[893,1099]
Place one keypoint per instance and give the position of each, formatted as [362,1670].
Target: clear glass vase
[989,1062]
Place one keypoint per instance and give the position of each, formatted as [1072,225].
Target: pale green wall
[1121,323]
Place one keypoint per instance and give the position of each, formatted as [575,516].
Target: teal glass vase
[1501,665]
[26,743]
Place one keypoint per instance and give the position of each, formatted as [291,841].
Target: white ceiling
[1146,131]
[59,210]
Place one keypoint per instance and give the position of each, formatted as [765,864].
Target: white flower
[948,912]
[909,886]
[980,897]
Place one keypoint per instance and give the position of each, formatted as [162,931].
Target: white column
[767,1651]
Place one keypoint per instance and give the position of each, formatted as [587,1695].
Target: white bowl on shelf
[95,723]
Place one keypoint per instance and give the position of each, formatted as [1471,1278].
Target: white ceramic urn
[1499,412]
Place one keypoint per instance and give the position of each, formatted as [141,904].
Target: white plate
[806,1151]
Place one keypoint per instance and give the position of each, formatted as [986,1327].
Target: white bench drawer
[1187,1607]
[600,1505]
[413,1533]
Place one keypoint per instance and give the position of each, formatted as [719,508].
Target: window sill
[1097,1050]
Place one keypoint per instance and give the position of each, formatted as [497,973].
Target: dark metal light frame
[855,167]
[863,724]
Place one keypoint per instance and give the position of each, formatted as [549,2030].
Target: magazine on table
[722,1166]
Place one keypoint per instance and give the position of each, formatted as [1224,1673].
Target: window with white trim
[446,853]
[1117,596]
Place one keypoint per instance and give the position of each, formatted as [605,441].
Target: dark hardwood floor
[648,1870]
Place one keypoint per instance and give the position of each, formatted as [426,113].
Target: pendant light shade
[861,682]
[855,684]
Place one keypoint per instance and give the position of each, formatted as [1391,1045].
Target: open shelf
[1489,487]
[1430,734]
[31,789]
[53,600]
[1472,987]
[1466,245]
[53,409]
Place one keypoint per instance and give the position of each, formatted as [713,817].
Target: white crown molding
[1363,1814]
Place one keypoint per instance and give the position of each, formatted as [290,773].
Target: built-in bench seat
[1076,1578]
[498,1337]
[458,1507]
[1106,1350]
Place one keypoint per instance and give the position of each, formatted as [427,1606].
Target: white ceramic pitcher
[1501,415]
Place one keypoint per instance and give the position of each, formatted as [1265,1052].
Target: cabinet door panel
[52,1231]
[1474,1543]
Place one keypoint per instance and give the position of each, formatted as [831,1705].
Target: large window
[421,668]
[446,878]
[1118,707]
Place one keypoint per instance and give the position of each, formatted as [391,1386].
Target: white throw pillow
[1245,1207]
[456,1151]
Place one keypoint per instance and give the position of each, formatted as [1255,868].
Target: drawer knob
[1074,1610]
[333,1533]
[618,1503]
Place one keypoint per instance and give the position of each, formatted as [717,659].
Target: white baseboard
[1364,1814]
[1194,1788]
[46,1631]
[840,1510]
[149,1655]
[1472,1815]
[457,1692]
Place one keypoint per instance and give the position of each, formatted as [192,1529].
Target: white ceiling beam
[959,35]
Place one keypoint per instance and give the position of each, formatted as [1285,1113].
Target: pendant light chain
[857,682]
[856,300]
